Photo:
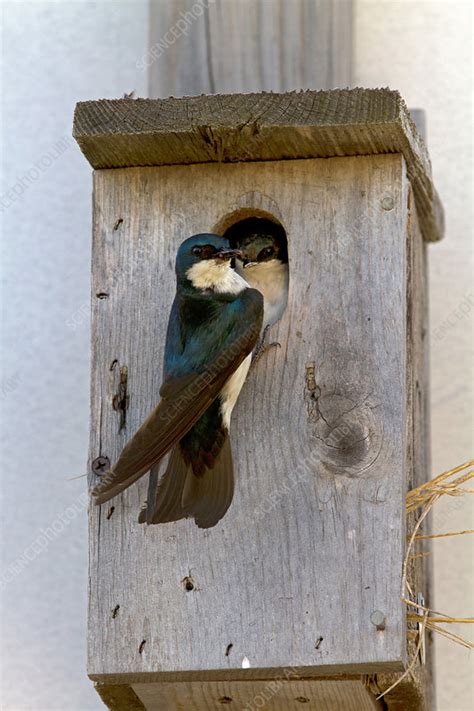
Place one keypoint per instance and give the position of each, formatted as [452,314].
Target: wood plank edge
[408,695]
[332,672]
[118,697]
[391,130]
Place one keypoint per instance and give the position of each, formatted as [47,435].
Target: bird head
[204,259]
[260,240]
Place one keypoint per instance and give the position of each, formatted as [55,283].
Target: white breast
[271,279]
[230,392]
[218,276]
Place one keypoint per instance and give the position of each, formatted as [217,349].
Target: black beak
[226,254]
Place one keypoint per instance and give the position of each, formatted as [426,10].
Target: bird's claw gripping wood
[263,347]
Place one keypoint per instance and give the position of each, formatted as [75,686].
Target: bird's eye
[204,251]
[265,253]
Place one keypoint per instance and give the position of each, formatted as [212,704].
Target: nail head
[388,203]
[378,619]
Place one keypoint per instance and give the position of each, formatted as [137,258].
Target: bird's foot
[263,347]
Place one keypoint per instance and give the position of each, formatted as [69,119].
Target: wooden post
[216,46]
[301,581]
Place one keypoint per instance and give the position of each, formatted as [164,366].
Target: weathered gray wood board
[256,127]
[248,45]
[414,693]
[314,540]
[279,695]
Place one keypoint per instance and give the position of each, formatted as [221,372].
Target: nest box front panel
[304,570]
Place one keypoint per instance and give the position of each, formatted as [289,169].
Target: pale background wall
[424,49]
[55,53]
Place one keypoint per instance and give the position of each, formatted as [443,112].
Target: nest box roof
[259,127]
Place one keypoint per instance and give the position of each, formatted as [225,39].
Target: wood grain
[248,45]
[314,540]
[414,693]
[277,695]
[120,697]
[259,127]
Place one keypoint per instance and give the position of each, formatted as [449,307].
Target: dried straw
[444,535]
[430,492]
[424,497]
[412,664]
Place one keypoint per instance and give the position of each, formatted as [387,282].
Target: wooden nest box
[295,596]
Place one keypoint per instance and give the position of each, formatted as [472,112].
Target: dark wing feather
[183,401]
[165,493]
[174,344]
[208,497]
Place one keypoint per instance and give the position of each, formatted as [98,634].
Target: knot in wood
[347,433]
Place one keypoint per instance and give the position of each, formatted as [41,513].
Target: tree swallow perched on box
[213,327]
[264,265]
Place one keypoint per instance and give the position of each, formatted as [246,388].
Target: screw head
[378,619]
[100,465]
[388,202]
